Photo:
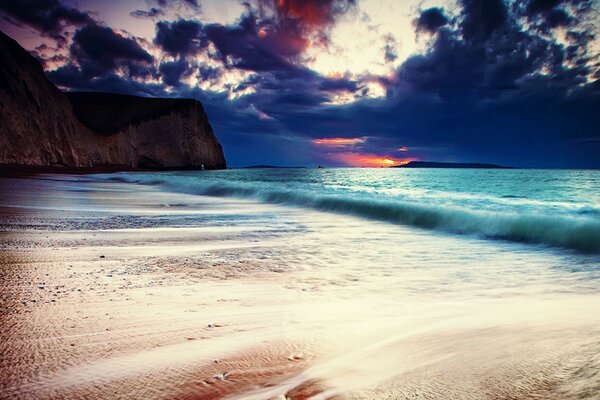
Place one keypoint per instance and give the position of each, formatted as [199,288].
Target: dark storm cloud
[72,78]
[99,49]
[338,85]
[556,18]
[173,71]
[47,16]
[151,13]
[431,19]
[270,36]
[489,56]
[95,51]
[166,3]
[437,69]
[482,18]
[181,37]
[267,39]
[208,73]
[389,48]
[548,14]
[244,46]
[540,6]
[46,55]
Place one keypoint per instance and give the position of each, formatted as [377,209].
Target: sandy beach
[115,290]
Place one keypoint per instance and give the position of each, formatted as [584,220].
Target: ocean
[551,208]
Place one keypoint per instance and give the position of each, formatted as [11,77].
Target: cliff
[40,126]
[149,132]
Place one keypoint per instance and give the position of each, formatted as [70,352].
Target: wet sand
[119,291]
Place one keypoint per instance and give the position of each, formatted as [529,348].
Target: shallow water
[342,305]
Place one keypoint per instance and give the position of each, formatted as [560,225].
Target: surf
[569,232]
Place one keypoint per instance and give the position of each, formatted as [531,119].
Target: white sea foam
[578,231]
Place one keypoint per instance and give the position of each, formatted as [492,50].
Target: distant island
[270,167]
[434,164]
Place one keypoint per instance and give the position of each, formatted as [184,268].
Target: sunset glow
[368,160]
[338,141]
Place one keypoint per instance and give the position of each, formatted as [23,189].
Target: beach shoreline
[117,290]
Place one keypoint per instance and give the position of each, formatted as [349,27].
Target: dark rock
[40,126]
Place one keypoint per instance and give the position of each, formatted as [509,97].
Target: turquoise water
[553,208]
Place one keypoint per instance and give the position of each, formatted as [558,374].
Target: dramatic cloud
[389,48]
[310,14]
[180,38]
[72,78]
[247,45]
[173,71]
[482,18]
[151,13]
[48,16]
[431,19]
[99,49]
[168,3]
[548,14]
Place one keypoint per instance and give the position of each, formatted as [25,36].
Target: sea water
[553,208]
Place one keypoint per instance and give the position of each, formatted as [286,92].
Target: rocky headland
[42,127]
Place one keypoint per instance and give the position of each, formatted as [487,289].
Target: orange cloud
[338,142]
[403,148]
[335,75]
[262,33]
[368,160]
[310,12]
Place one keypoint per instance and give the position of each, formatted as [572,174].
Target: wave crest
[581,234]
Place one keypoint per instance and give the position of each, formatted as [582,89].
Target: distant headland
[434,164]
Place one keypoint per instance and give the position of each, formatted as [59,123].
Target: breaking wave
[577,233]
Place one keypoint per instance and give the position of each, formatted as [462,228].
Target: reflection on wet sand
[122,291]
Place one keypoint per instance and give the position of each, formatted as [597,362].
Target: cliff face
[42,127]
[148,133]
[37,124]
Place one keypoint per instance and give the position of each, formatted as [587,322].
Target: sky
[372,83]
